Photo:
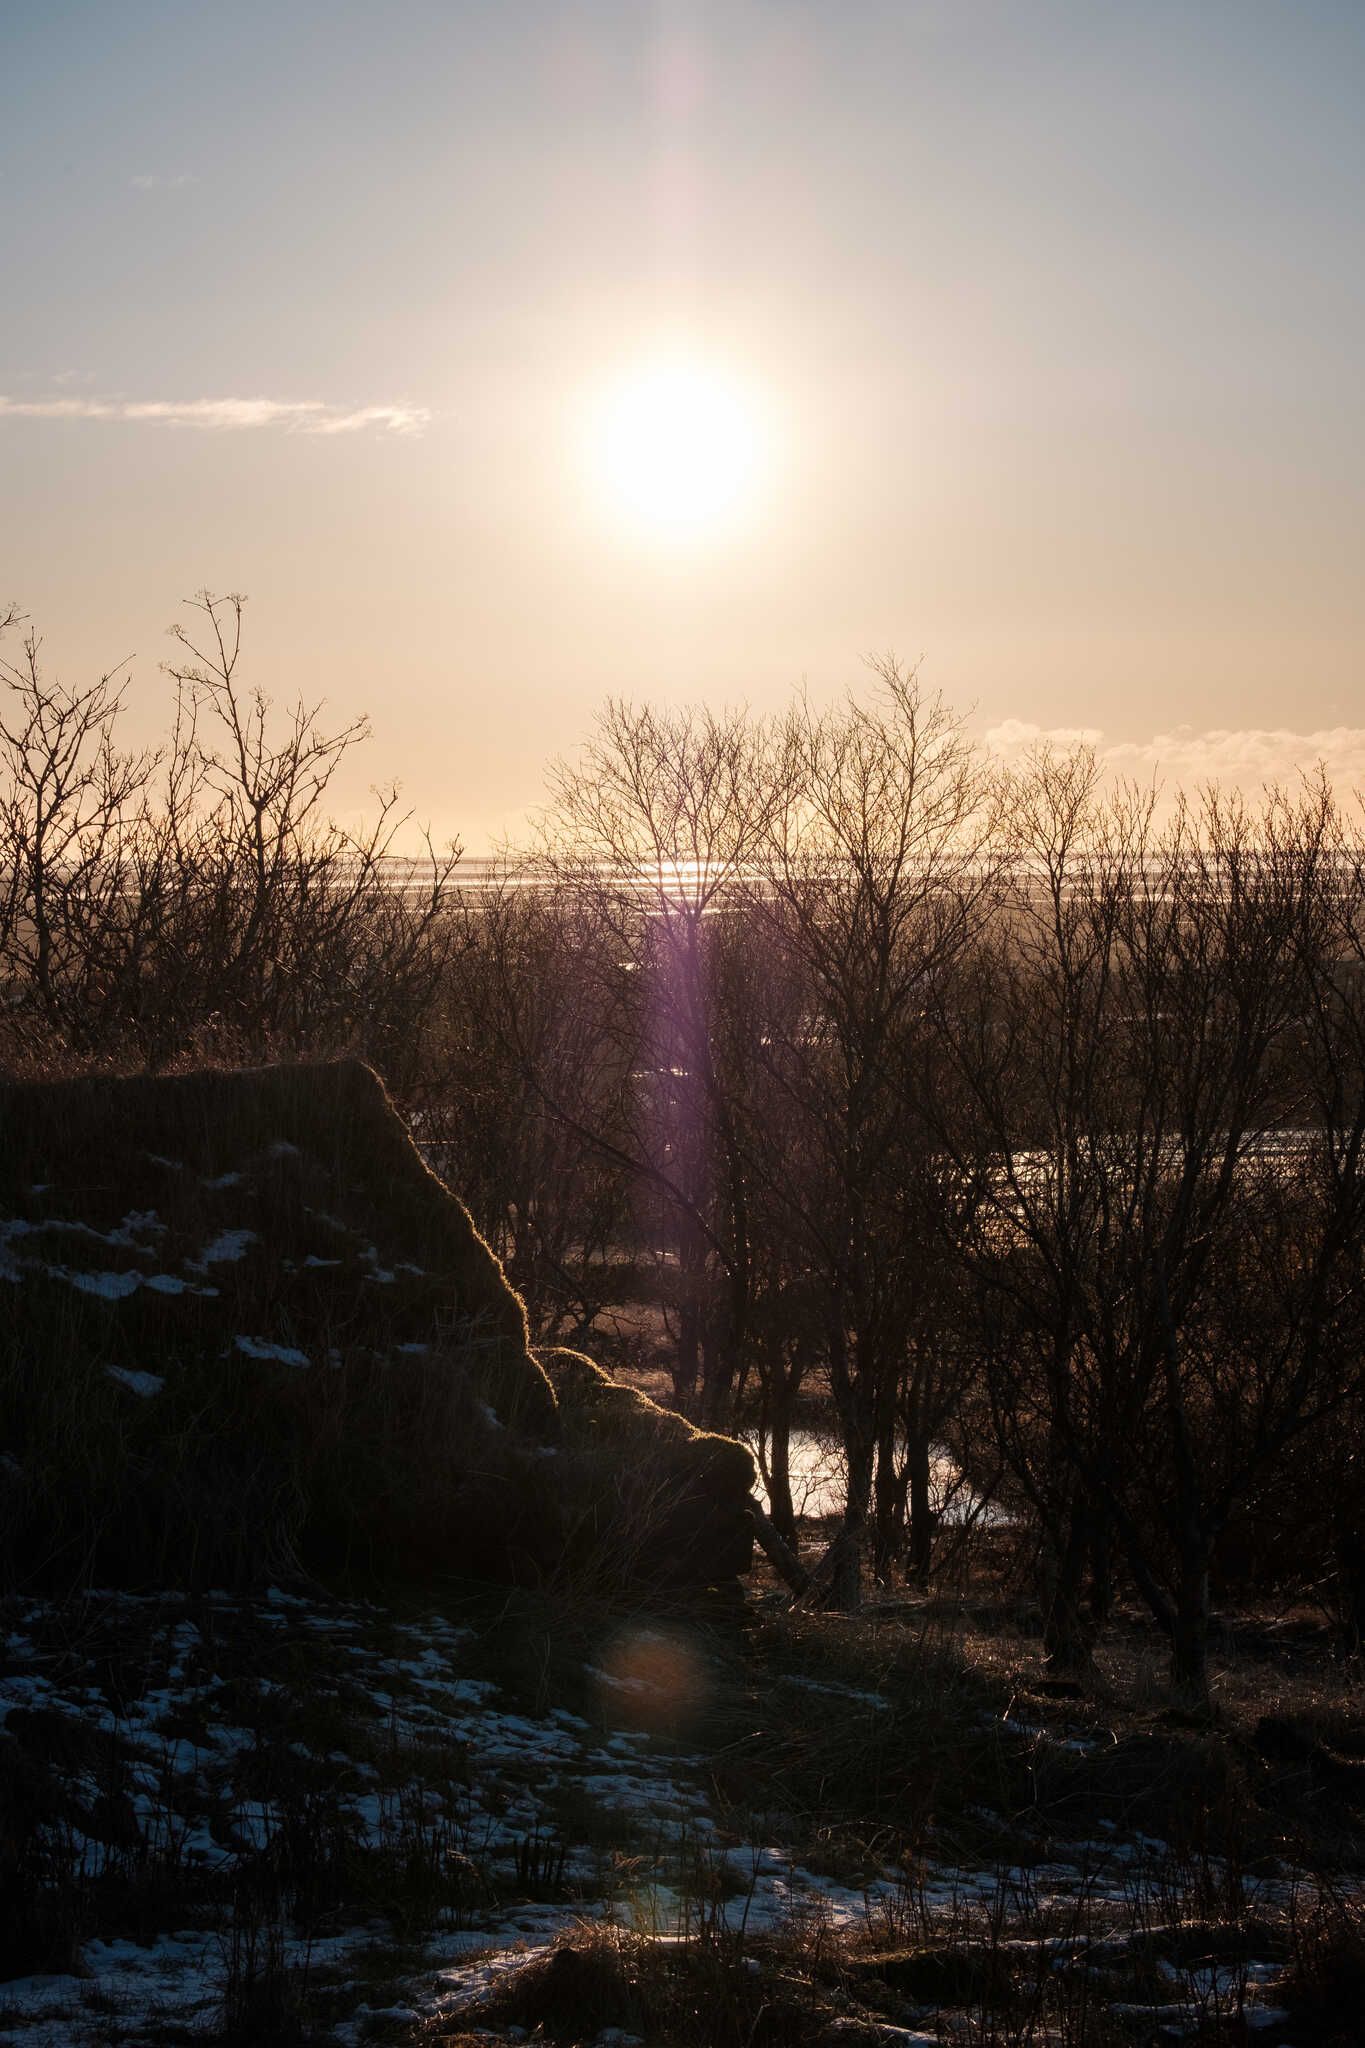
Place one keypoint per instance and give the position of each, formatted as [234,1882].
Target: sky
[1045,321]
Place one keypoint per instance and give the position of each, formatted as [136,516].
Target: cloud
[224,415]
[392,419]
[162,181]
[1012,735]
[1247,757]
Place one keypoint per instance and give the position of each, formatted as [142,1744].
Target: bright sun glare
[677,446]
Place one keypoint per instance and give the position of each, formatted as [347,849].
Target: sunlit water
[818,1472]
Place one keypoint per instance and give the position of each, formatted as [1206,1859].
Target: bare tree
[528,1015]
[879,865]
[66,790]
[1129,1043]
[657,826]
[198,896]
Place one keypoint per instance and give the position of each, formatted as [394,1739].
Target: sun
[677,446]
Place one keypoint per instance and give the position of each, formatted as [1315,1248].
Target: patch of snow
[108,1286]
[125,1236]
[836,1691]
[332,1222]
[138,1222]
[221,1180]
[282,1354]
[619,1683]
[144,1383]
[226,1248]
[170,1283]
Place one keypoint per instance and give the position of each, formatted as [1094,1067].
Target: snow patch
[281,1354]
[144,1383]
[224,1250]
[108,1286]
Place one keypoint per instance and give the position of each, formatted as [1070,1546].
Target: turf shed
[246,1328]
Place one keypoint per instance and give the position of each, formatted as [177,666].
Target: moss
[597,1408]
[672,1497]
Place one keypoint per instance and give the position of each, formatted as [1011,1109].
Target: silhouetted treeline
[197,896]
[1001,1111]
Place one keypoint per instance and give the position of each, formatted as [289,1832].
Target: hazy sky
[1051,318]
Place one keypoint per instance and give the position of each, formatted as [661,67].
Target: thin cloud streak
[1248,756]
[226,415]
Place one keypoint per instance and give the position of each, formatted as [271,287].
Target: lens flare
[650,1680]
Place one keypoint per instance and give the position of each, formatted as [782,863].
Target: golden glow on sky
[512,357]
[676,448]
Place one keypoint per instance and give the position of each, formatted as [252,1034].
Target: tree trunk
[1067,1638]
[923,1520]
[845,1591]
[858,1427]
[687,1390]
[1190,1631]
[687,1358]
[845,1595]
[717,1379]
[1351,1571]
[779,1553]
[1100,1599]
[780,1506]
[888,1527]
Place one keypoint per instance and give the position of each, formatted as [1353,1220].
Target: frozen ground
[228,1789]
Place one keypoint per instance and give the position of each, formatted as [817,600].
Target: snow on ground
[193,1733]
[226,1248]
[22,1243]
[422,1750]
[261,1347]
[144,1383]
